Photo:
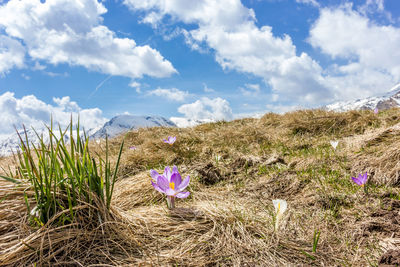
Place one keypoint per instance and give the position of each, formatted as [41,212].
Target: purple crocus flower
[167,173]
[361,180]
[171,184]
[132,147]
[170,140]
[376,110]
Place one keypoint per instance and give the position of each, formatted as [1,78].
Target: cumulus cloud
[12,54]
[71,31]
[206,108]
[229,29]
[32,112]
[203,110]
[172,94]
[371,51]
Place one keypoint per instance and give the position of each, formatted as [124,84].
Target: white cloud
[372,52]
[33,112]
[202,111]
[38,66]
[70,31]
[56,74]
[173,94]
[375,7]
[308,2]
[26,77]
[229,29]
[207,89]
[206,108]
[12,54]
[300,79]
[136,85]
[250,89]
[378,3]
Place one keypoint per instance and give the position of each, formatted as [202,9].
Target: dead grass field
[227,219]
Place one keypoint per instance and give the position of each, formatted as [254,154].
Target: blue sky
[199,59]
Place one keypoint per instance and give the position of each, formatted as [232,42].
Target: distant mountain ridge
[123,123]
[387,100]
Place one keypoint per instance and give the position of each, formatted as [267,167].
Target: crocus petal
[174,169]
[356,180]
[154,174]
[167,173]
[170,140]
[280,206]
[162,182]
[184,184]
[334,144]
[364,178]
[156,187]
[170,192]
[183,194]
[176,179]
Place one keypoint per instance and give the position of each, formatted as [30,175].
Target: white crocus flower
[35,212]
[280,207]
[334,144]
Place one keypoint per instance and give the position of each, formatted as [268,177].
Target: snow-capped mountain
[10,143]
[385,101]
[124,123]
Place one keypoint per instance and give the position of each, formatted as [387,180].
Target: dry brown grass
[227,220]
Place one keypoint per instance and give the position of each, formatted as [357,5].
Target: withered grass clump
[96,234]
[236,169]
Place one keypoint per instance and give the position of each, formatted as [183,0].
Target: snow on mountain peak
[387,100]
[123,123]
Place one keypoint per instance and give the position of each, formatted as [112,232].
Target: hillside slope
[237,168]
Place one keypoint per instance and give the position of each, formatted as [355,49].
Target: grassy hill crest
[237,168]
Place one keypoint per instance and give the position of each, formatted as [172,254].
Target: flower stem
[366,188]
[171,202]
